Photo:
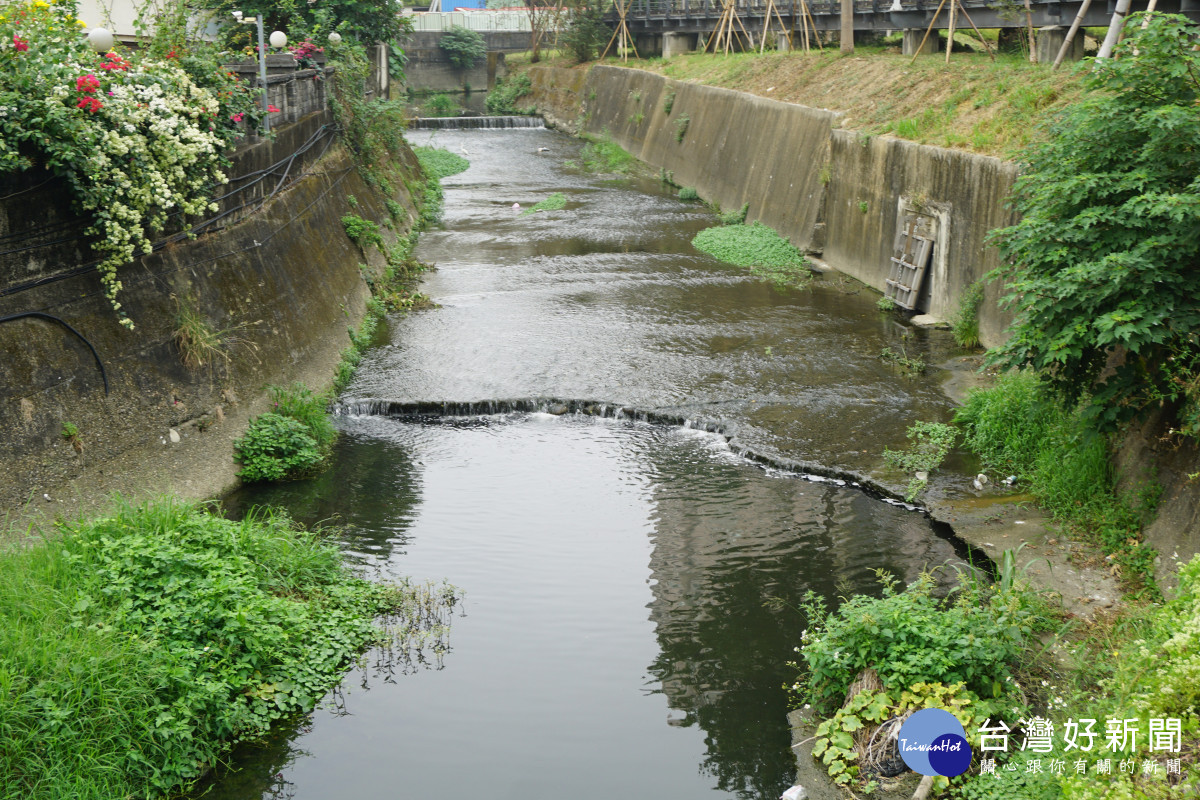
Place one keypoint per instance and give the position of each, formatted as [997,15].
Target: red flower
[20,44]
[271,109]
[237,117]
[114,61]
[87,83]
[90,104]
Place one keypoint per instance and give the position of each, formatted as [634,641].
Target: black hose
[66,325]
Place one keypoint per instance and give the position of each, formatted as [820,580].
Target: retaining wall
[833,192]
[840,194]
[283,284]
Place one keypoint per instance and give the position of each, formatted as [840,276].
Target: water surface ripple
[618,639]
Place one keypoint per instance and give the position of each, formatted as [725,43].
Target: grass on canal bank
[137,647]
[972,103]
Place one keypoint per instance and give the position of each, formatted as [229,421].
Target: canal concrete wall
[837,193]
[842,194]
[279,289]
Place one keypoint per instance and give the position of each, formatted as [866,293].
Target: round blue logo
[933,742]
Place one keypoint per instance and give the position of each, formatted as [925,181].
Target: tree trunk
[847,35]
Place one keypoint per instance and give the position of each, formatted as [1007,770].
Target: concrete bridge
[667,27]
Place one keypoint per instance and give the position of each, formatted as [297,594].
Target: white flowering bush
[138,138]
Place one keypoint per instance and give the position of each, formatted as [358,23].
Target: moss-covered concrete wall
[832,191]
[283,286]
[838,192]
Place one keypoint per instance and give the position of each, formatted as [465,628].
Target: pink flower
[20,44]
[271,109]
[90,104]
[238,117]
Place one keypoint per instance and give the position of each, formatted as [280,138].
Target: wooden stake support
[954,4]
[623,34]
[724,33]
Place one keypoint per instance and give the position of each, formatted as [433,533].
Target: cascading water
[476,123]
[628,560]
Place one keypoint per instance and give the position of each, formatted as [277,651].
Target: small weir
[477,123]
[631,564]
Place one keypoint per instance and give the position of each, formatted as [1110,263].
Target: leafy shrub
[503,98]
[140,646]
[1103,257]
[441,105]
[463,46]
[275,447]
[737,217]
[138,136]
[668,103]
[964,325]
[931,443]
[909,637]
[298,402]
[586,33]
[688,194]
[363,232]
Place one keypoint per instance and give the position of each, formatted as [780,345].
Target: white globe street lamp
[278,39]
[100,40]
[335,38]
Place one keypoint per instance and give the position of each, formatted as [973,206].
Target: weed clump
[137,648]
[555,202]
[759,248]
[291,441]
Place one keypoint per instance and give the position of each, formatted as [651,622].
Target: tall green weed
[136,648]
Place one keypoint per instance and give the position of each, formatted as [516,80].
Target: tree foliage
[463,46]
[586,33]
[1103,264]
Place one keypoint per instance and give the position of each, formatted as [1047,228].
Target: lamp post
[100,39]
[262,65]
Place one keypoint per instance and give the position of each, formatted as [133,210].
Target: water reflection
[617,639]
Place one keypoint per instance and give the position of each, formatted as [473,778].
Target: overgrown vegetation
[363,232]
[975,655]
[908,649]
[586,33]
[503,98]
[759,248]
[293,440]
[1102,274]
[602,154]
[463,46]
[136,648]
[931,443]
[1055,455]
[555,202]
[964,325]
[688,194]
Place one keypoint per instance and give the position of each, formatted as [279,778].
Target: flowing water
[598,386]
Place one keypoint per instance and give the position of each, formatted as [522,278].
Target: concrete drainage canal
[631,562]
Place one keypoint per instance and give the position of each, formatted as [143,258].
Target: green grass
[759,248]
[555,202]
[1018,430]
[438,162]
[602,154]
[136,648]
